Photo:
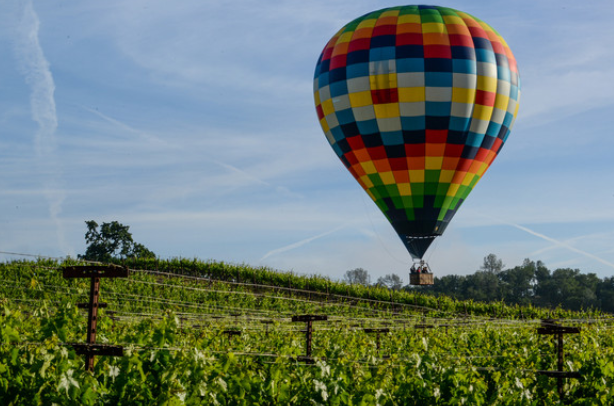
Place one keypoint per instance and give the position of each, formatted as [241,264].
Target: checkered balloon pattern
[417,101]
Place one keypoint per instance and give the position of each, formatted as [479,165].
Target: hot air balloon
[417,101]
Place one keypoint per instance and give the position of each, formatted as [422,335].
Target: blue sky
[193,123]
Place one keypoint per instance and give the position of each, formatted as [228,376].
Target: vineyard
[193,332]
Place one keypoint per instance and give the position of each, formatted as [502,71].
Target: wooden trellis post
[266,323]
[90,349]
[309,319]
[377,332]
[551,327]
[423,325]
[231,333]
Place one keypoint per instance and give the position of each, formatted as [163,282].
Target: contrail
[34,67]
[561,244]
[145,136]
[301,243]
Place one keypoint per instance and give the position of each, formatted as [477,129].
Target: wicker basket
[421,279]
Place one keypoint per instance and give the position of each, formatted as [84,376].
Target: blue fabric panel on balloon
[509,118]
[338,89]
[485,55]
[337,150]
[464,66]
[368,126]
[345,116]
[410,65]
[503,73]
[438,79]
[337,133]
[438,108]
[493,129]
[358,70]
[513,91]
[459,123]
[392,138]
[323,79]
[382,54]
[474,139]
[413,123]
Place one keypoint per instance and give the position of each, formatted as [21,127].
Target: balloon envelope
[417,101]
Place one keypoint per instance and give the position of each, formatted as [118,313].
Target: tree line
[531,283]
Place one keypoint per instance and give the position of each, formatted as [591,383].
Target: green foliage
[110,241]
[176,354]
[530,284]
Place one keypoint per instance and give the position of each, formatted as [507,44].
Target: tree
[518,282]
[357,276]
[542,285]
[391,281]
[483,286]
[492,264]
[605,293]
[449,285]
[112,240]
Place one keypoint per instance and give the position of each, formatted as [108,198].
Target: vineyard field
[201,333]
